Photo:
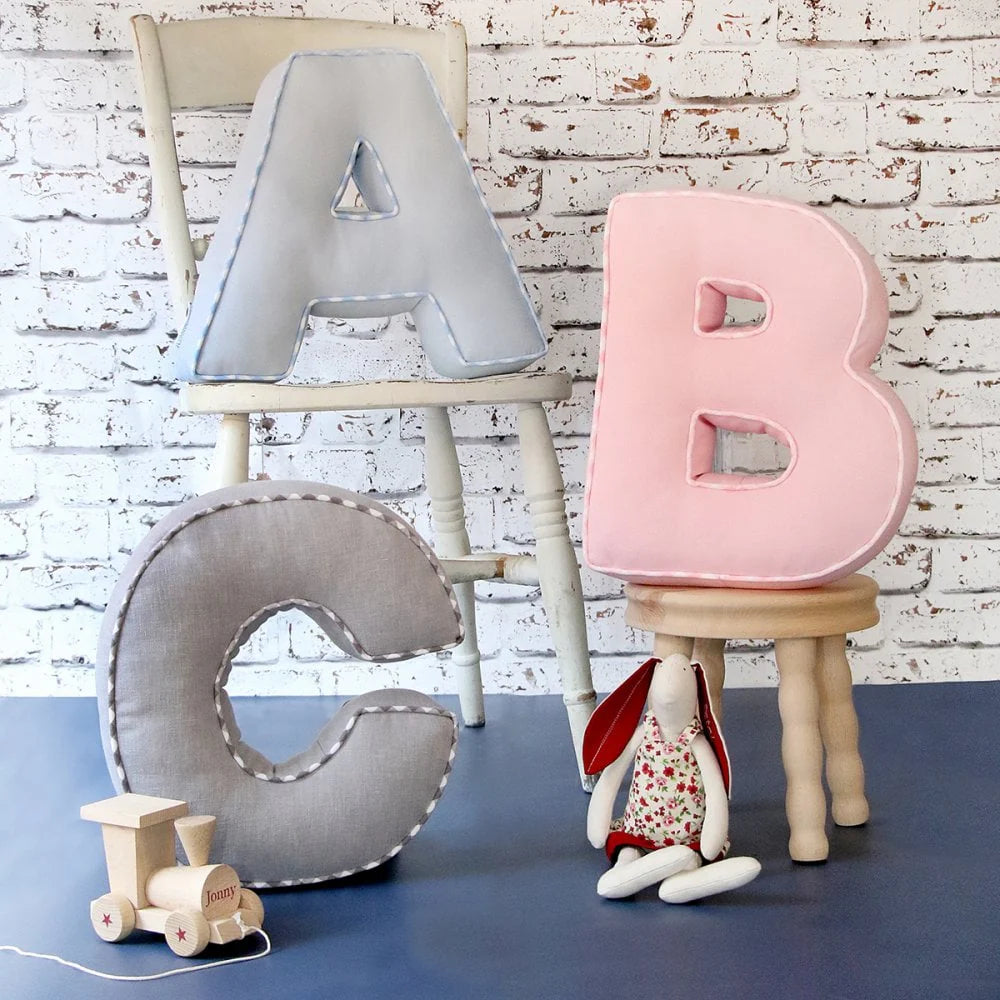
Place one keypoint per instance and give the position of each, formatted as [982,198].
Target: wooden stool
[809,628]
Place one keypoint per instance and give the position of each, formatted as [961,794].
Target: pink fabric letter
[671,375]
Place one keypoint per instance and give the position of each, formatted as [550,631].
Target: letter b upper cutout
[672,375]
[286,246]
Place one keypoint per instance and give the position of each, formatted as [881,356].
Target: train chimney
[196,834]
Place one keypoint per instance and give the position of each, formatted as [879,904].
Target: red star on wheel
[106,920]
[181,934]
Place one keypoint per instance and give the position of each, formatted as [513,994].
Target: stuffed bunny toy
[676,818]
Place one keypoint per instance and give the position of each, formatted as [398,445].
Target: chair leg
[667,645]
[451,538]
[231,460]
[711,654]
[838,722]
[558,572]
[802,748]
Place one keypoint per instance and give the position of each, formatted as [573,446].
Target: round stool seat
[846,605]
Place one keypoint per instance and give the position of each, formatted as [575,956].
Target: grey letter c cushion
[193,591]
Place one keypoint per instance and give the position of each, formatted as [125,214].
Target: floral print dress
[666,801]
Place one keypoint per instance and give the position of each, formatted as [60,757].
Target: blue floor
[495,898]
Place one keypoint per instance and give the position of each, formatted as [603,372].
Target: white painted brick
[64,585]
[991,454]
[587,188]
[513,22]
[17,366]
[628,75]
[961,180]
[146,360]
[71,249]
[959,19]
[964,289]
[841,74]
[76,534]
[986,68]
[160,480]
[18,483]
[543,133]
[735,22]
[80,422]
[940,125]
[75,365]
[902,567]
[574,352]
[130,525]
[966,565]
[485,85]
[204,192]
[70,84]
[933,233]
[903,285]
[15,253]
[593,22]
[85,480]
[944,621]
[953,511]
[13,534]
[928,73]
[11,84]
[71,305]
[545,78]
[277,428]
[868,181]
[835,129]
[330,353]
[727,73]
[575,299]
[962,401]
[845,21]
[195,430]
[20,639]
[116,196]
[723,131]
[555,243]
[477,139]
[510,189]
[949,345]
[486,468]
[949,457]
[123,86]
[365,427]
[8,142]
[66,26]
[139,253]
[73,636]
[344,467]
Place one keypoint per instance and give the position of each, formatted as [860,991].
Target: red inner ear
[615,719]
[710,726]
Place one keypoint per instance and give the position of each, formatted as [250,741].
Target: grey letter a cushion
[194,590]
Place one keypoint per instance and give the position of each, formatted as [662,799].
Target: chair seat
[257,397]
[846,605]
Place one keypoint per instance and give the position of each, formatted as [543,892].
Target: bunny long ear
[615,719]
[711,728]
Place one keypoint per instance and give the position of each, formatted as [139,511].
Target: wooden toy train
[191,905]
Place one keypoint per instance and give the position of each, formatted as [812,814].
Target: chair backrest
[220,62]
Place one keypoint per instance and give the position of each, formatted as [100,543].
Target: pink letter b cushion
[673,376]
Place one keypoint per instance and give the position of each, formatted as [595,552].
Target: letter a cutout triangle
[370,181]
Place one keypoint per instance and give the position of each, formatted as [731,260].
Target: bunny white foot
[635,871]
[719,876]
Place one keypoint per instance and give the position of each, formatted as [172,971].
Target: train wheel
[252,907]
[112,917]
[187,933]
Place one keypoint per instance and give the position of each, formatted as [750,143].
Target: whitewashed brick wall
[885,114]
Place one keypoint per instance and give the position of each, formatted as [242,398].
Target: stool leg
[711,654]
[802,748]
[838,722]
[667,645]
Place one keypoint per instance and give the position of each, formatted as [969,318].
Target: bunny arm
[715,828]
[602,798]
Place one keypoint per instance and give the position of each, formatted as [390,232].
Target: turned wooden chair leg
[451,538]
[711,654]
[231,460]
[667,645]
[802,748]
[845,773]
[558,572]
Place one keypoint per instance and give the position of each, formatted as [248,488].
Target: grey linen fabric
[193,591]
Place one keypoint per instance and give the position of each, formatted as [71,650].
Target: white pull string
[158,975]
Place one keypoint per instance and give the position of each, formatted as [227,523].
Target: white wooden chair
[221,62]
